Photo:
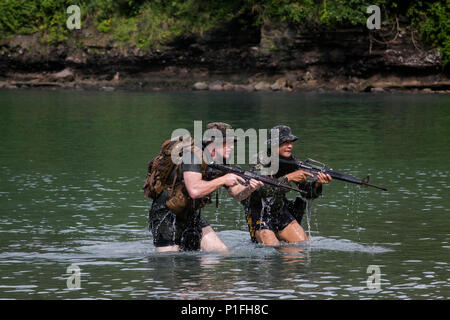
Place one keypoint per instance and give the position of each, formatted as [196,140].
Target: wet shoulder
[191,162]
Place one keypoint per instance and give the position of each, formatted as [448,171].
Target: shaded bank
[236,56]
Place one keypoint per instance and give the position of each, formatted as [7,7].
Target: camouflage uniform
[183,229]
[268,207]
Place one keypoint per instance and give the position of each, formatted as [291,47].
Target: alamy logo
[374,20]
[74,20]
[268,150]
[374,280]
[74,280]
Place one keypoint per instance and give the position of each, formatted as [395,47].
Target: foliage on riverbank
[147,24]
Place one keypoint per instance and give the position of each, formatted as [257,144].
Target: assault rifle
[314,167]
[247,175]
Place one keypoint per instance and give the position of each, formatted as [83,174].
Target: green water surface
[72,165]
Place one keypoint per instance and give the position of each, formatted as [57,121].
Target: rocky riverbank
[184,79]
[271,58]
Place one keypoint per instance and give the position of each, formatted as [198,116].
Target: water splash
[322,243]
[239,243]
[308,211]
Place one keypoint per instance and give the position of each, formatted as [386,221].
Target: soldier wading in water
[180,191]
[271,217]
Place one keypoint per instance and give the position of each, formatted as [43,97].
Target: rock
[297,84]
[64,75]
[78,57]
[352,87]
[262,86]
[107,89]
[279,84]
[240,87]
[276,87]
[406,57]
[312,84]
[377,89]
[427,90]
[228,86]
[308,76]
[216,86]
[200,86]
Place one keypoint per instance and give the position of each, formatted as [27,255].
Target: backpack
[160,169]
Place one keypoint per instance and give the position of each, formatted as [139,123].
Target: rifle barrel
[334,174]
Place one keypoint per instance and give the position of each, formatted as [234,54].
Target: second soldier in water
[270,215]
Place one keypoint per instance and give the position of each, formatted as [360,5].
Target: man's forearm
[242,193]
[204,188]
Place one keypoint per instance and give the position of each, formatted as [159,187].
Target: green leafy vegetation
[147,24]
[432,20]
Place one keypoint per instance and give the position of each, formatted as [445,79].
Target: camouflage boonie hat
[284,134]
[217,129]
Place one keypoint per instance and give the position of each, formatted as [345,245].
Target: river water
[72,166]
